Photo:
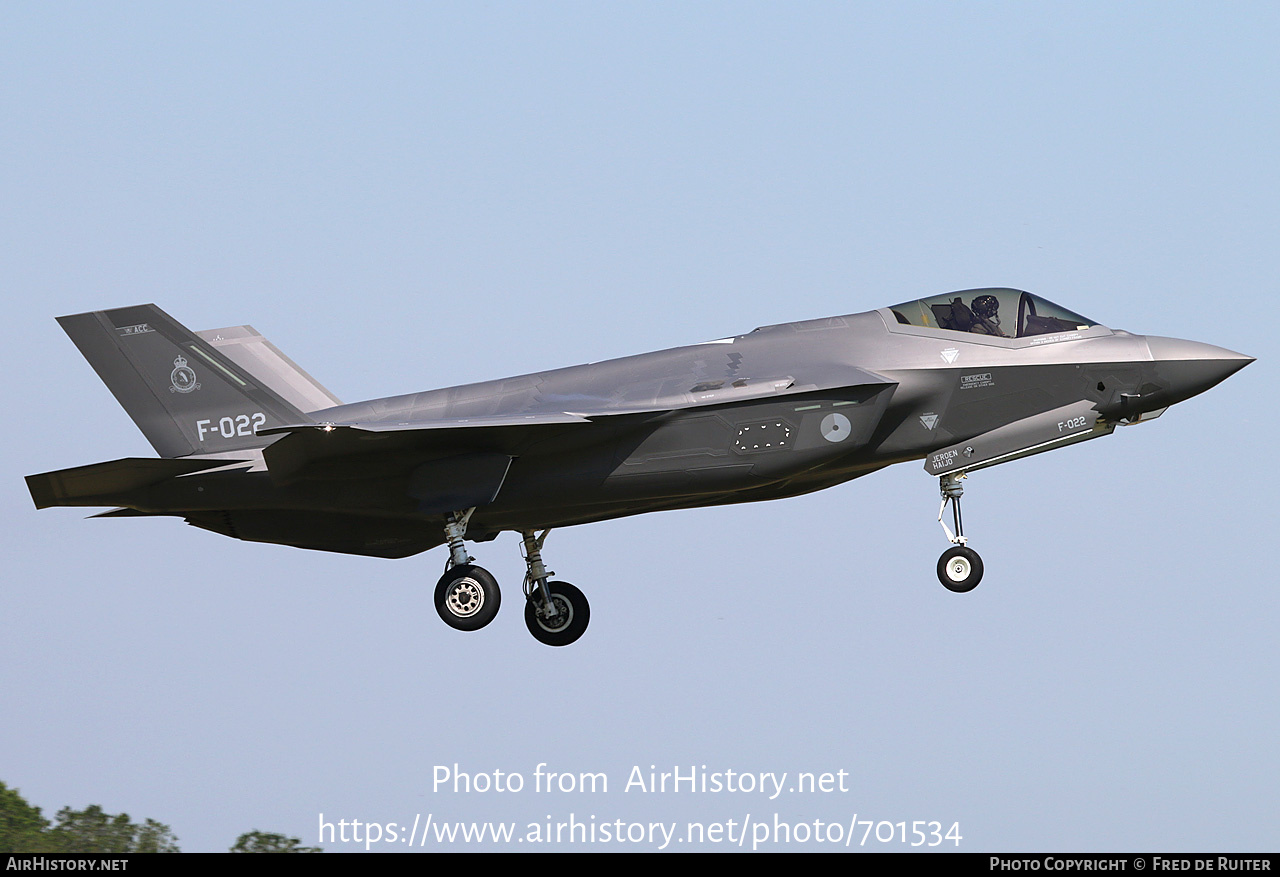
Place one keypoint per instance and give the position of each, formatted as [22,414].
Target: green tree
[92,830]
[262,842]
[22,828]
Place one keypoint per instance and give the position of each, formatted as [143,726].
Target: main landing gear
[556,613]
[959,567]
[467,596]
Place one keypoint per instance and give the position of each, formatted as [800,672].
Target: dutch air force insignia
[835,428]
[183,377]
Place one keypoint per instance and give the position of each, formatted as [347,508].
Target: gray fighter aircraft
[252,447]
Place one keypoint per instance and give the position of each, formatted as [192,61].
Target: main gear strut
[556,613]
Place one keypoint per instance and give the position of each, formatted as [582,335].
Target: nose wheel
[959,567]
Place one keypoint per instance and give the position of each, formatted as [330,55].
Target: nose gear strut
[959,567]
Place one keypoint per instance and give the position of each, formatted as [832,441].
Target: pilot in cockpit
[986,319]
[981,317]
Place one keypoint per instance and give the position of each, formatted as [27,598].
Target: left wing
[374,449]
[458,462]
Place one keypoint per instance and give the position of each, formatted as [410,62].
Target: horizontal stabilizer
[105,483]
[1031,435]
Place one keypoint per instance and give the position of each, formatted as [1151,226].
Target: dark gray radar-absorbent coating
[251,446]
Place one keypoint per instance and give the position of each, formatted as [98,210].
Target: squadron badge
[182,378]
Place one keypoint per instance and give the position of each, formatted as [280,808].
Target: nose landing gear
[959,567]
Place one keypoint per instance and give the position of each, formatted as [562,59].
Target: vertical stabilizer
[247,348]
[183,394]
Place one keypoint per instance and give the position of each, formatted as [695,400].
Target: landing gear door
[1041,432]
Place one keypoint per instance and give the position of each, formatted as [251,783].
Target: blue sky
[409,196]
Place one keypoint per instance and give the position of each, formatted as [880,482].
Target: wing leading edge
[336,449]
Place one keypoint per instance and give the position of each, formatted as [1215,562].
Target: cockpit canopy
[1003,313]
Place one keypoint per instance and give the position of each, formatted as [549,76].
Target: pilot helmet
[986,306]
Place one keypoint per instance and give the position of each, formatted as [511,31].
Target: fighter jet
[252,447]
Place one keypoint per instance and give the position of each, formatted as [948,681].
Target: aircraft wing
[381,426]
[586,408]
[371,449]
[724,391]
[383,448]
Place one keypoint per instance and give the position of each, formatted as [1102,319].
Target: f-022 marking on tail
[231,427]
[185,395]
[963,381]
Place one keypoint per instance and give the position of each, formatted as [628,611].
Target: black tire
[573,608]
[960,569]
[467,597]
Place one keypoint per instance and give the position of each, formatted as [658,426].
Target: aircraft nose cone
[1191,367]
